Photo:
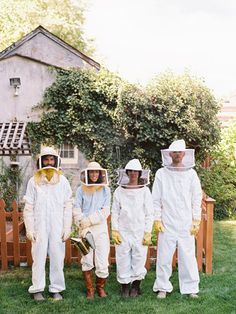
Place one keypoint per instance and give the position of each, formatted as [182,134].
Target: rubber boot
[88,278]
[135,289]
[125,290]
[100,284]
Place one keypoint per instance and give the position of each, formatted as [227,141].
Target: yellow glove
[116,237]
[195,227]
[147,238]
[158,226]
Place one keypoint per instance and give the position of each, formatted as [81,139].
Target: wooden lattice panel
[14,139]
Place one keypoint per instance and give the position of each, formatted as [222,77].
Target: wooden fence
[16,249]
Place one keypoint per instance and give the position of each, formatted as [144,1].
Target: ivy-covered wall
[112,121]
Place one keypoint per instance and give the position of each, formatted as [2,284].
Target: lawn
[217,291]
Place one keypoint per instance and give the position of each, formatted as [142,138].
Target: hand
[65,235]
[85,223]
[195,227]
[158,226]
[31,236]
[82,232]
[147,238]
[116,237]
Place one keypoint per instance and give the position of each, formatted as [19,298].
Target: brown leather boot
[88,278]
[135,289]
[100,284]
[125,290]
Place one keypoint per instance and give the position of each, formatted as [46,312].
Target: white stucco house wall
[24,75]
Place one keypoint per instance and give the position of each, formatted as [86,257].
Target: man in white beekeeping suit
[132,220]
[48,218]
[177,196]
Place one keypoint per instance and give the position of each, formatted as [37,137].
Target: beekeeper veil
[133,164]
[102,179]
[48,151]
[188,160]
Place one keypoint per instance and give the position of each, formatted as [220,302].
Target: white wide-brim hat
[178,146]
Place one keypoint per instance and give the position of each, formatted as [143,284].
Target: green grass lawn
[217,291]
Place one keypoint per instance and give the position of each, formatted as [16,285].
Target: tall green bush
[112,121]
[10,180]
[219,181]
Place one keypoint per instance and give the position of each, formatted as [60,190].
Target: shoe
[125,290]
[194,295]
[135,289]
[57,296]
[100,284]
[161,295]
[88,278]
[38,296]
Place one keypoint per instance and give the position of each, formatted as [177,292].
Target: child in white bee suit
[91,210]
[132,220]
[48,218]
[177,196]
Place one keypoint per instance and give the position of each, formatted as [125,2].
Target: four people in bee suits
[48,218]
[91,210]
[177,196]
[132,220]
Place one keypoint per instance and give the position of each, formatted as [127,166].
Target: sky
[139,39]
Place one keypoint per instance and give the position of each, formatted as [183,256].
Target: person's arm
[77,208]
[67,214]
[28,212]
[156,196]
[196,197]
[149,212]
[100,215]
[196,204]
[157,203]
[115,213]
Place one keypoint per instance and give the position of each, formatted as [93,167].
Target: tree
[81,108]
[113,121]
[64,18]
[171,107]
[219,181]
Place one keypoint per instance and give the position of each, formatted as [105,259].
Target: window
[69,154]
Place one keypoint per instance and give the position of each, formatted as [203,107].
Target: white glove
[31,236]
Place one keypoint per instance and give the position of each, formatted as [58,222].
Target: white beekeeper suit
[177,196]
[91,210]
[48,218]
[132,218]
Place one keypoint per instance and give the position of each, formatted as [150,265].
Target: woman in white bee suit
[177,196]
[91,210]
[48,218]
[132,220]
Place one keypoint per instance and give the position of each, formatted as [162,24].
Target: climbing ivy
[112,121]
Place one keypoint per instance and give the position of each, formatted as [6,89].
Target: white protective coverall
[177,199]
[132,216]
[48,215]
[96,206]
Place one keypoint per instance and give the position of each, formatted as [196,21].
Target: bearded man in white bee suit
[132,220]
[48,218]
[177,196]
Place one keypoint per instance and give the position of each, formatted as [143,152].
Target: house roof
[12,50]
[14,139]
